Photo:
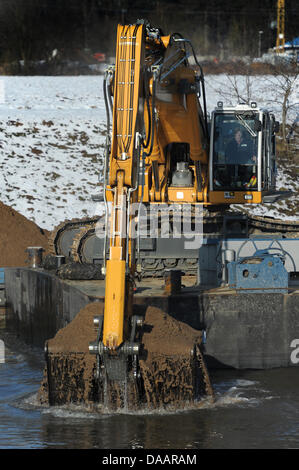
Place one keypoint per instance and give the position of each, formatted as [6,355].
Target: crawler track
[70,239]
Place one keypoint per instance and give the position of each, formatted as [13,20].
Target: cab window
[234,152]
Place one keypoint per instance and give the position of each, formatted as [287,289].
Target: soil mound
[16,235]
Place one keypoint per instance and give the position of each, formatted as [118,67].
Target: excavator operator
[239,151]
[240,163]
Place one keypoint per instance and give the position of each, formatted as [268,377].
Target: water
[253,409]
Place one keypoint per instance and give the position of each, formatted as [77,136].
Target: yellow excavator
[161,149]
[156,113]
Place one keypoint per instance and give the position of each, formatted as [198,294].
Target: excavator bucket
[170,372]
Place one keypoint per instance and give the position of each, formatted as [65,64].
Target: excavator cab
[242,155]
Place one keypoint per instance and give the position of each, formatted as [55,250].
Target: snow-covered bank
[52,140]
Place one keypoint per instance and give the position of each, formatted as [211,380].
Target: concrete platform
[147,287]
[155,288]
[242,330]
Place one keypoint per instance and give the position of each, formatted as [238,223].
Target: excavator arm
[123,165]
[116,347]
[153,99]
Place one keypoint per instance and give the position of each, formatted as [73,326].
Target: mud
[79,271]
[70,368]
[16,235]
[171,365]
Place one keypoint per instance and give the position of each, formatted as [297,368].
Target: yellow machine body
[158,123]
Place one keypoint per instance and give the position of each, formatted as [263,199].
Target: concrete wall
[250,330]
[39,304]
[243,330]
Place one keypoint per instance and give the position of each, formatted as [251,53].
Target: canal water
[253,410]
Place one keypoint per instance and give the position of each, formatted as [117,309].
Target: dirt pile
[170,374]
[16,235]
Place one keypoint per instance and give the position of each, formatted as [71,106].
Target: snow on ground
[52,142]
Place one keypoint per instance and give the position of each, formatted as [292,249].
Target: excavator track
[81,232]
[71,227]
[77,249]
[273,225]
[150,267]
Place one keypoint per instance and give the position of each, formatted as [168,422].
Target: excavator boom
[123,162]
[156,122]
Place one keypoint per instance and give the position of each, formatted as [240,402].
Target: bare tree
[283,84]
[237,89]
[278,91]
[240,88]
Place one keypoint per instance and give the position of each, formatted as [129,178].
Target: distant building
[292,48]
[294,44]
